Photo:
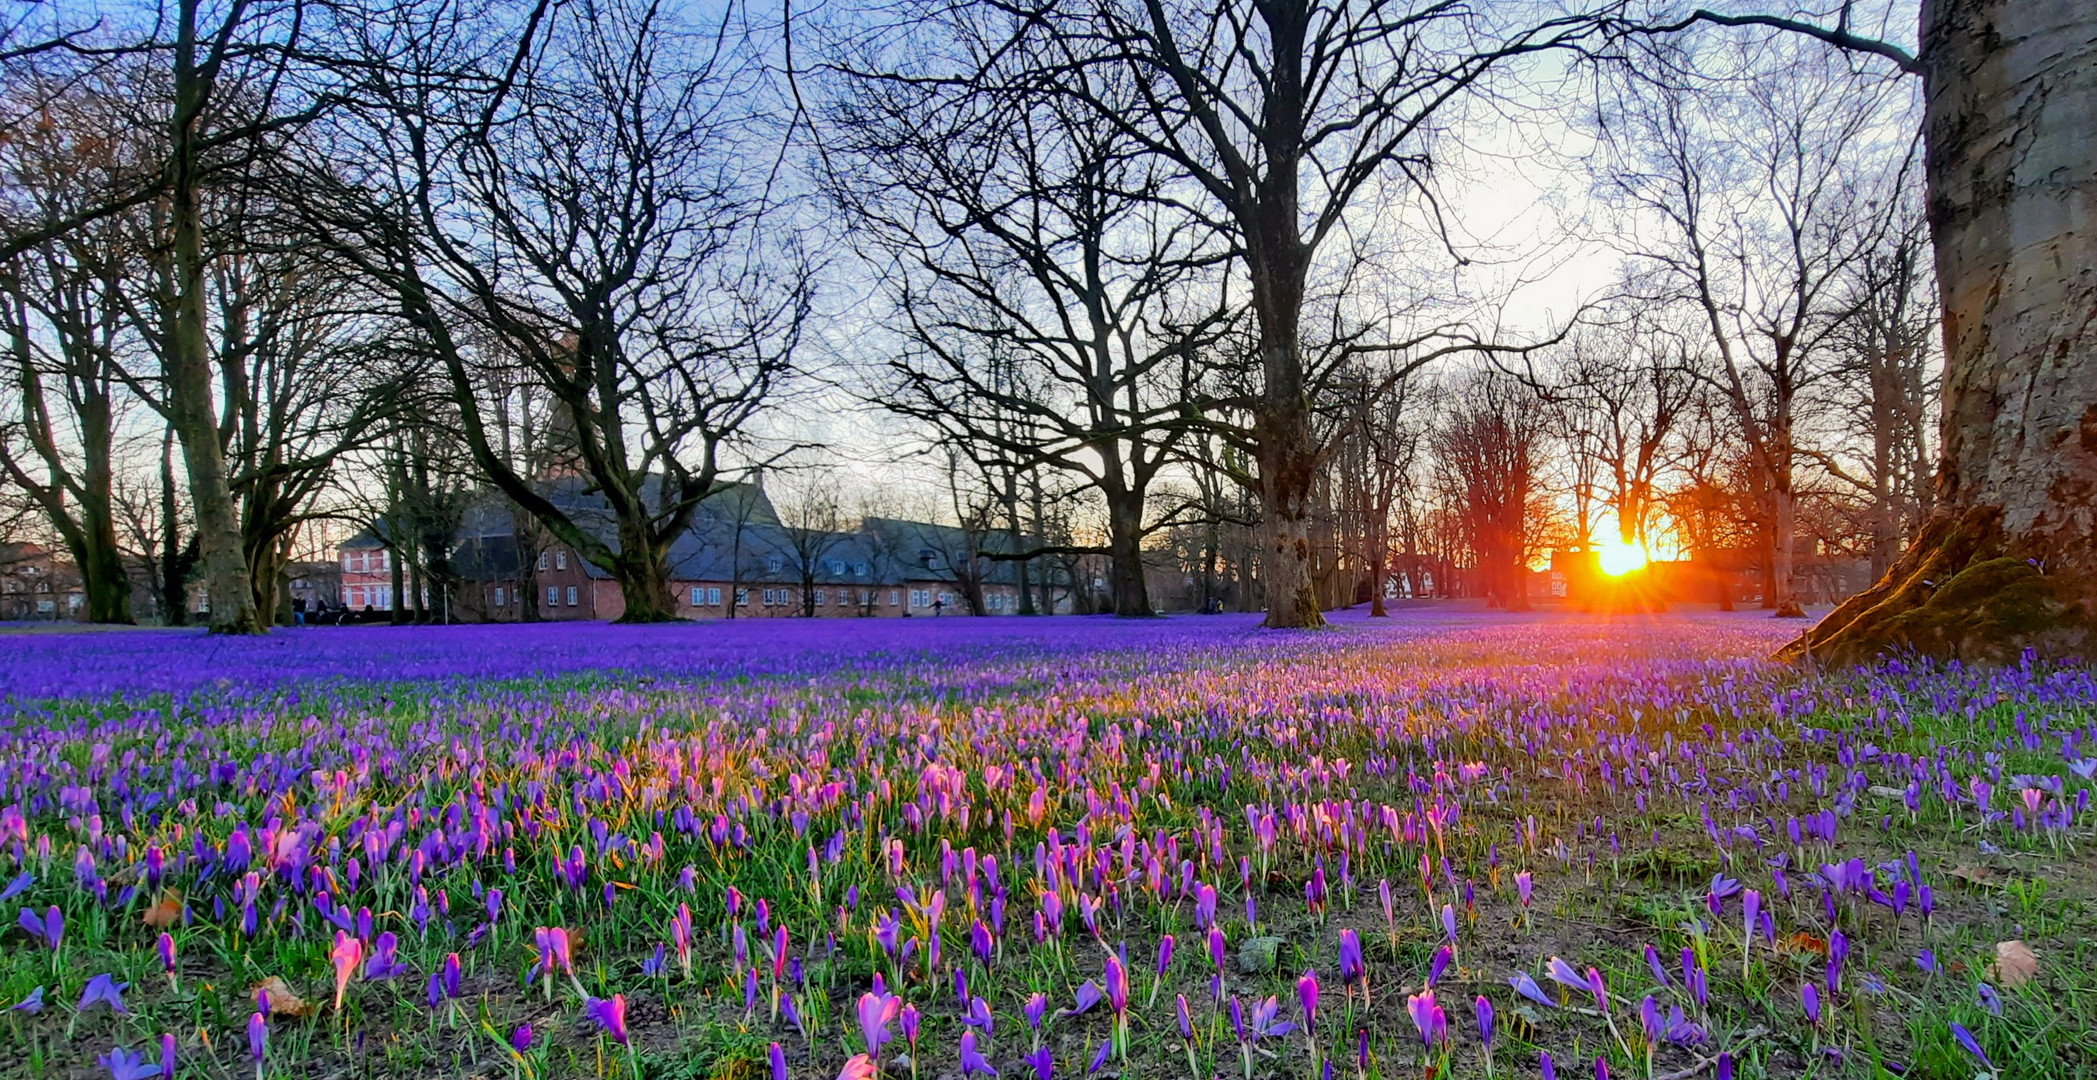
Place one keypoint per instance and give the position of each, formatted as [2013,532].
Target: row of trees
[1195,269]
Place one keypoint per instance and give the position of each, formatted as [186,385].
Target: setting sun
[1617,558]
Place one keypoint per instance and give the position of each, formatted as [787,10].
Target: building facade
[735,561]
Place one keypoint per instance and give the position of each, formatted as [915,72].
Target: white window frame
[553,596]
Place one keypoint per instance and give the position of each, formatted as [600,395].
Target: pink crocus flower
[347,955]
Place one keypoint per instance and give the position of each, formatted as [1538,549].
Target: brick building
[735,561]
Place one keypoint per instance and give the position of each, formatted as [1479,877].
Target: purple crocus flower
[32,1004]
[167,1056]
[1809,996]
[1564,974]
[1115,983]
[876,1011]
[104,990]
[1307,996]
[1545,1065]
[1428,1018]
[609,1014]
[972,1061]
[1659,970]
[1352,968]
[51,929]
[1972,1045]
[1484,1009]
[1043,1063]
[1526,986]
[125,1065]
[1443,957]
[258,1040]
[1088,996]
[521,1037]
[777,1056]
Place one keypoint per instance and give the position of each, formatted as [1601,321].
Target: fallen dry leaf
[165,912]
[1973,875]
[282,1000]
[2015,964]
[1806,943]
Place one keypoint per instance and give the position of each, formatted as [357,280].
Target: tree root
[1962,591]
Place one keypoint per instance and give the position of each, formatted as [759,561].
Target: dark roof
[735,535]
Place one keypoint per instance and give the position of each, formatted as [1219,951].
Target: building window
[819,596]
[837,566]
[560,560]
[498,596]
[553,596]
[698,596]
[347,559]
[920,598]
[713,596]
[892,597]
[946,599]
[742,597]
[571,596]
[772,564]
[542,560]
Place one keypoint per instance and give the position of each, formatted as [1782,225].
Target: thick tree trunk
[643,572]
[1379,560]
[1292,594]
[2007,561]
[1125,541]
[1783,554]
[187,367]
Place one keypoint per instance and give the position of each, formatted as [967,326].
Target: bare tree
[2007,559]
[1628,385]
[1888,380]
[66,331]
[1488,448]
[812,529]
[1060,307]
[1283,117]
[577,192]
[1766,192]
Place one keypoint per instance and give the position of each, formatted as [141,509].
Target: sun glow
[1617,558]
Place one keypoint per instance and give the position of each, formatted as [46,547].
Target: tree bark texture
[2007,561]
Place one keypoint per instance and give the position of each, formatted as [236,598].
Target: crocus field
[1443,844]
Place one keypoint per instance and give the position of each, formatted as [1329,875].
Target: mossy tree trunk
[2009,561]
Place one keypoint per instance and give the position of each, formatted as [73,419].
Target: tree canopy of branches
[568,201]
